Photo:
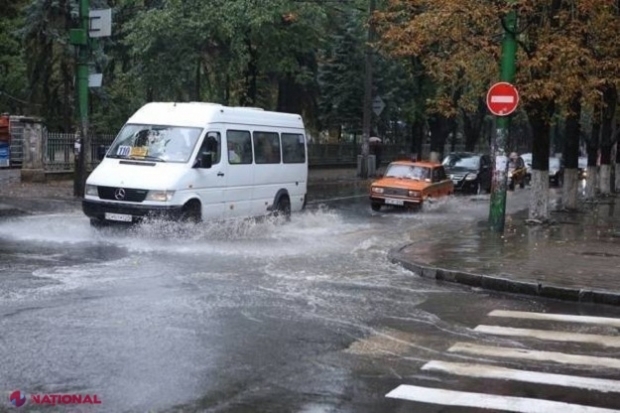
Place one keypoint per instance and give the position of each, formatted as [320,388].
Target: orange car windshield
[408,171]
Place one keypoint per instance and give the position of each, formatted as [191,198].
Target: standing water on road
[177,313]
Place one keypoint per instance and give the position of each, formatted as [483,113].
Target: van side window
[266,147]
[293,148]
[239,147]
[212,144]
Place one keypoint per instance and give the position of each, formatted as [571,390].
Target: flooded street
[268,316]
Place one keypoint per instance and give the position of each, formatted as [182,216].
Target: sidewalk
[577,259]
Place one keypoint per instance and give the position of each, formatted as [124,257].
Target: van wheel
[191,212]
[283,207]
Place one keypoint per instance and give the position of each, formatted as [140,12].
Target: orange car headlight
[377,189]
[414,194]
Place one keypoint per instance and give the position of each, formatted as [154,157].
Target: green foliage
[296,56]
[341,77]
[12,67]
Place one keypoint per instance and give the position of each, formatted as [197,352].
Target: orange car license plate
[390,201]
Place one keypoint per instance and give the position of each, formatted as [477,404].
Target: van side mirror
[101,151]
[205,161]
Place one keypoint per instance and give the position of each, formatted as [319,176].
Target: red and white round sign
[502,99]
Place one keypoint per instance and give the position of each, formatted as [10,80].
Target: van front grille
[122,194]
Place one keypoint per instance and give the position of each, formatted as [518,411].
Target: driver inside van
[211,145]
[233,155]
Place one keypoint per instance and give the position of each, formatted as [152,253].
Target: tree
[558,57]
[341,77]
[12,68]
[50,61]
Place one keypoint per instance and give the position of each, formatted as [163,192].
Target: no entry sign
[502,99]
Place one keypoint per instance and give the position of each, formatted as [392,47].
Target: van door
[210,183]
[240,180]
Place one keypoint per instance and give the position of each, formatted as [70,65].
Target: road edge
[502,284]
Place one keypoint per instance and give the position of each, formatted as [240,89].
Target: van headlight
[471,177]
[91,190]
[160,196]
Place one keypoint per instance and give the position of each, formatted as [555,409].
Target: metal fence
[59,152]
[16,147]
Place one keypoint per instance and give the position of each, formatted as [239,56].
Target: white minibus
[197,161]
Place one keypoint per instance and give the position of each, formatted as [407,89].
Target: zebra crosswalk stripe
[613,322]
[535,355]
[507,403]
[488,401]
[503,373]
[607,341]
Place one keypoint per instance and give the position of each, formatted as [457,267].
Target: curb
[505,285]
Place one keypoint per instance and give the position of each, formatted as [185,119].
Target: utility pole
[367,112]
[497,213]
[80,38]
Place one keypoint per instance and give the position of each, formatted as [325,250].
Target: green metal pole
[497,213]
[82,92]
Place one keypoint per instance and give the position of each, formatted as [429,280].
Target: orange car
[409,184]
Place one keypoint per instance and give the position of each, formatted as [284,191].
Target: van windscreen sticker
[140,151]
[123,150]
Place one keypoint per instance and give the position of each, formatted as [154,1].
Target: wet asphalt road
[307,316]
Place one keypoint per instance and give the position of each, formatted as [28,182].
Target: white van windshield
[155,143]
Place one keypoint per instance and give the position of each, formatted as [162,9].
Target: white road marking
[502,99]
[488,401]
[607,341]
[514,353]
[503,373]
[614,322]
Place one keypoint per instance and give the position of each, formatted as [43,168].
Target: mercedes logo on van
[119,194]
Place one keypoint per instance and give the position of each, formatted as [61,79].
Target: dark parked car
[470,172]
[556,172]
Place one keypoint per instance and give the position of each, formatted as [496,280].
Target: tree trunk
[592,145]
[592,170]
[251,75]
[289,95]
[571,156]
[418,139]
[610,97]
[540,122]
[605,172]
[440,128]
[472,126]
[197,82]
[617,171]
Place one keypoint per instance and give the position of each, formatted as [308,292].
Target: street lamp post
[80,38]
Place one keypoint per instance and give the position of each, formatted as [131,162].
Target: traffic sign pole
[81,39]
[497,210]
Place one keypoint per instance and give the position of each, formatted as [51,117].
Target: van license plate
[118,217]
[394,201]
